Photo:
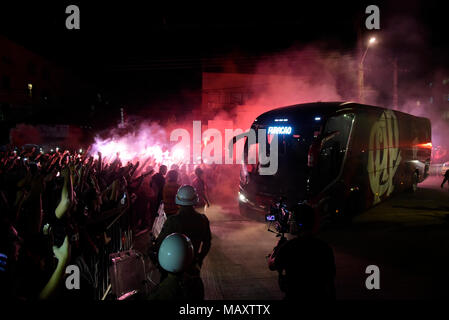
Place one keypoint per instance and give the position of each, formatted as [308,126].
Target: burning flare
[148,142]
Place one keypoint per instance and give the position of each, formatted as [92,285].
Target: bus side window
[333,147]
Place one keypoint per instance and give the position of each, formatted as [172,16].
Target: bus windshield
[292,147]
[292,170]
[309,157]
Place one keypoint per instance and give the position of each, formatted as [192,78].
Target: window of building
[30,90]
[236,98]
[213,98]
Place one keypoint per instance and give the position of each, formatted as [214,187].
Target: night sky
[130,49]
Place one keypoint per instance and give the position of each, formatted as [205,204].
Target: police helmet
[186,196]
[175,253]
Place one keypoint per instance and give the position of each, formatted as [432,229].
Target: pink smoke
[146,142]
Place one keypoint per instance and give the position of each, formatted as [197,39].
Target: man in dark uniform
[446,178]
[201,188]
[157,186]
[195,226]
[157,183]
[175,254]
[306,265]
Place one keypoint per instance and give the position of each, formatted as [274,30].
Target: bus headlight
[242,198]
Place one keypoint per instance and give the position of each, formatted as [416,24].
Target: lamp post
[371,41]
[395,83]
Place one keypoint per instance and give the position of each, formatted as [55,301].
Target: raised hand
[63,252]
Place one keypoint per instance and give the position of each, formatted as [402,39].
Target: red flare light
[427,145]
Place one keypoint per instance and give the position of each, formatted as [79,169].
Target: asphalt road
[406,237]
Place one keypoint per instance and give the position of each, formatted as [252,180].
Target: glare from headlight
[242,198]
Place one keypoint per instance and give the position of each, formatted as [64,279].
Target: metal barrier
[120,233]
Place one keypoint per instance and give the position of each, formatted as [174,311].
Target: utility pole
[395,82]
[361,84]
[371,41]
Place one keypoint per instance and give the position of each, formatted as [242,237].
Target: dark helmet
[186,196]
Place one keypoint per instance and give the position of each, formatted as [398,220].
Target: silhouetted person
[446,178]
[201,188]
[183,176]
[157,185]
[306,265]
[169,194]
[175,255]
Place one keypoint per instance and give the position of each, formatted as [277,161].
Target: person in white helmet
[192,224]
[175,255]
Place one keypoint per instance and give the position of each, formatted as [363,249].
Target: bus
[338,157]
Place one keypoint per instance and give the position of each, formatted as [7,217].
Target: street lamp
[371,41]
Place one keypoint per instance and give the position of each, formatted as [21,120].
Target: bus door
[334,143]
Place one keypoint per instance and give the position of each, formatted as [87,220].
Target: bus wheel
[353,205]
[414,185]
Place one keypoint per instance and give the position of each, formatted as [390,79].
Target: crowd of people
[55,209]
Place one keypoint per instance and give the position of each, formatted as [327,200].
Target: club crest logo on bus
[384,155]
